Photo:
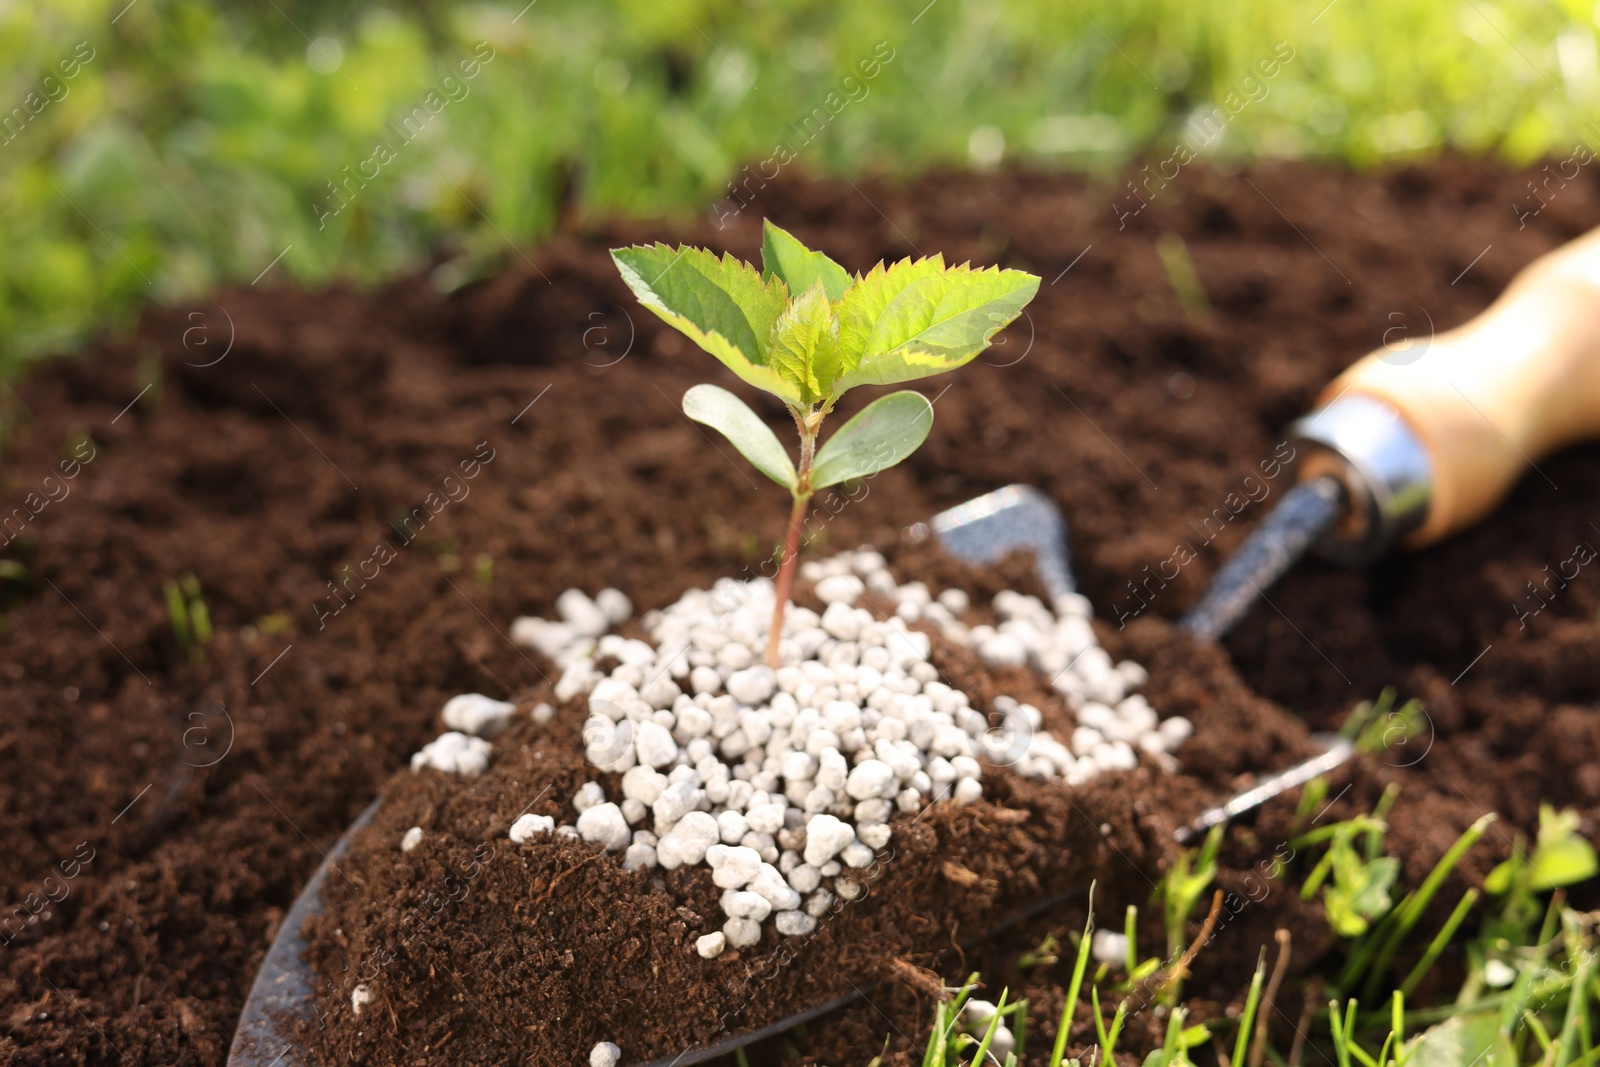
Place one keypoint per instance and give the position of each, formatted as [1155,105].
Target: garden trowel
[1423,438]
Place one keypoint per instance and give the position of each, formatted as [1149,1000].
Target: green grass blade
[933,1055]
[1172,1049]
[1182,275]
[1552,915]
[982,1054]
[1440,940]
[1116,1030]
[1383,1053]
[946,1017]
[1336,829]
[200,618]
[1540,1034]
[1344,1035]
[1318,875]
[1341,1040]
[1247,1020]
[1361,1054]
[178,613]
[1397,1015]
[1380,818]
[1069,1010]
[1577,1007]
[1108,1038]
[1409,910]
[1311,798]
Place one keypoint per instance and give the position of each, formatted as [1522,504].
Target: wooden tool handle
[1491,398]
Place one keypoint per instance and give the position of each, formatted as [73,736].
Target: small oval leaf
[719,409]
[885,432]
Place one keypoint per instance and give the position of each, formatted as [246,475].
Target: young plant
[1186,881]
[1560,857]
[1378,726]
[191,620]
[946,1025]
[805,330]
[1191,873]
[1358,901]
[1358,893]
[1044,954]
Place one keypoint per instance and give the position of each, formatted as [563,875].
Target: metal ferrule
[1383,466]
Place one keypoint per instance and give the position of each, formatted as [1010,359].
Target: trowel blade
[987,528]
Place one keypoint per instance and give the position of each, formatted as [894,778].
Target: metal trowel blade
[988,528]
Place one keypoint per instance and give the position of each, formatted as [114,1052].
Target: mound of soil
[554,947]
[161,807]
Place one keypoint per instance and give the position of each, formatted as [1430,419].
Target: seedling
[805,330]
[1310,803]
[191,621]
[1527,997]
[1191,873]
[1044,954]
[1108,1038]
[1358,903]
[1561,857]
[1174,1050]
[1358,891]
[1181,272]
[946,1020]
[1379,726]
[279,622]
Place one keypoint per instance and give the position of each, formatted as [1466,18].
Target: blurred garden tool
[1422,439]
[988,528]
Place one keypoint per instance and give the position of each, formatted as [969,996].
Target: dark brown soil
[552,947]
[204,790]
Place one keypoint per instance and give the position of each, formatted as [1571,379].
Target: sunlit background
[154,149]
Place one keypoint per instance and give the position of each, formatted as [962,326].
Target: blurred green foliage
[199,141]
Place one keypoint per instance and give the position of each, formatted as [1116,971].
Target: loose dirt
[204,786]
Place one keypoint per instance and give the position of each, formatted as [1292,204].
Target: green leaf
[1501,878]
[719,409]
[1144,970]
[798,267]
[1562,856]
[868,300]
[918,318]
[885,432]
[1474,1040]
[1371,896]
[722,305]
[1563,863]
[804,350]
[1360,889]
[1159,1057]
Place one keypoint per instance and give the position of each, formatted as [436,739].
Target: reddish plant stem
[789,562]
[786,568]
